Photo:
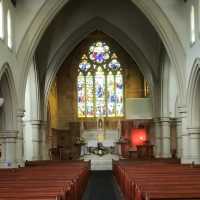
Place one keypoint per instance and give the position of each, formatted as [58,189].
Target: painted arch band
[100,88]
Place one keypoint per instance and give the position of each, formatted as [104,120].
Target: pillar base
[186,160]
[7,164]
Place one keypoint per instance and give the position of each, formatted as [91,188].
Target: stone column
[165,137]
[44,141]
[157,137]
[178,137]
[20,137]
[185,156]
[36,139]
[8,143]
[194,145]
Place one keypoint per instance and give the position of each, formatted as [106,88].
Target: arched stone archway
[123,40]
[149,8]
[8,93]
[8,132]
[153,12]
[34,134]
[193,102]
[193,106]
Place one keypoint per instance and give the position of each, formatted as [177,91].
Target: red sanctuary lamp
[138,136]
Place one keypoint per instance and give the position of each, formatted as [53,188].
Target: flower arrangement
[79,141]
[123,140]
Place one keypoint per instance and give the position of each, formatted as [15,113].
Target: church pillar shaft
[36,140]
[8,148]
[165,138]
[20,137]
[179,137]
[194,144]
[185,156]
[157,138]
[44,142]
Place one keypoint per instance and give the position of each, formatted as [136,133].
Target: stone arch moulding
[34,93]
[169,37]
[150,9]
[11,96]
[193,97]
[77,36]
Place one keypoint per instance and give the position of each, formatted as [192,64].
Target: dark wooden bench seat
[157,180]
[51,181]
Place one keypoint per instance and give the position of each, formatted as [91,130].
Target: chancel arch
[158,19]
[8,116]
[112,31]
[9,95]
[64,92]
[193,105]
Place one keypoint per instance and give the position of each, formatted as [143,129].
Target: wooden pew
[45,181]
[157,180]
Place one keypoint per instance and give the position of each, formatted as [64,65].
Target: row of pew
[45,180]
[156,180]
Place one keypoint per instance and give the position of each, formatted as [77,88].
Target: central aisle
[102,186]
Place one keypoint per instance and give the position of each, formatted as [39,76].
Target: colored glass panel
[114,64]
[9,30]
[81,95]
[119,94]
[100,93]
[89,96]
[1,20]
[84,65]
[111,97]
[99,52]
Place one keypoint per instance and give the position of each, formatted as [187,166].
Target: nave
[158,179]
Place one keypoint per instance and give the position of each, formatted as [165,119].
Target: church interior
[99,99]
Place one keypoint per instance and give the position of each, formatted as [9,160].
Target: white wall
[26,10]
[138,108]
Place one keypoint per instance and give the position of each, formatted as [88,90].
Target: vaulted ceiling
[121,20]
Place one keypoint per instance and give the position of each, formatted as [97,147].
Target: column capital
[20,112]
[178,120]
[164,119]
[156,120]
[8,133]
[182,110]
[36,122]
[194,130]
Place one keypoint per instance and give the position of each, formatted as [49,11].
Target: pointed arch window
[1,20]
[100,88]
[9,29]
[192,24]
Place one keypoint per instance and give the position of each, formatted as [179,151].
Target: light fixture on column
[1,101]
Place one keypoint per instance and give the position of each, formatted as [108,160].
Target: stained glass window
[1,20]
[100,93]
[9,30]
[100,89]
[89,97]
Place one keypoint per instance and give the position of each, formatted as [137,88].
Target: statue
[100,124]
[100,130]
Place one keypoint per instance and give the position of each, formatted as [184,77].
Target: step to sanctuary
[101,162]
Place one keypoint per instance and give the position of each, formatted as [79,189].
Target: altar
[101,162]
[101,159]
